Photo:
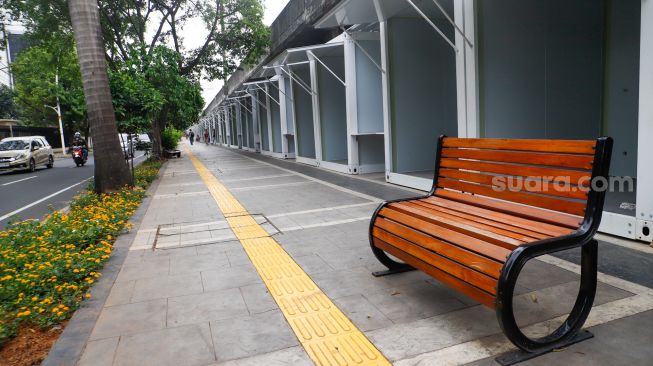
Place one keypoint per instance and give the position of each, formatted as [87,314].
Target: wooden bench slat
[486,221]
[476,261]
[447,279]
[476,245]
[524,223]
[485,235]
[531,158]
[571,207]
[532,186]
[460,271]
[552,174]
[457,223]
[551,146]
[533,213]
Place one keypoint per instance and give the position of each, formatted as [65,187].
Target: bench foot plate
[393,271]
[514,357]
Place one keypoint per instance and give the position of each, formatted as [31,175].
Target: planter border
[68,349]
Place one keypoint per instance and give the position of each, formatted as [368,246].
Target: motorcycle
[78,156]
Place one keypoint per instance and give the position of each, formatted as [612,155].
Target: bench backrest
[550,180]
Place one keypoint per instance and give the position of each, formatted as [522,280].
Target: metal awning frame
[353,39]
[268,94]
[293,77]
[237,99]
[311,54]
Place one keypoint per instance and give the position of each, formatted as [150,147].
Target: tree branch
[186,69]
[116,33]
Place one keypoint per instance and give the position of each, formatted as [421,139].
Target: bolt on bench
[495,204]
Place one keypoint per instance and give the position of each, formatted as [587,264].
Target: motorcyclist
[78,140]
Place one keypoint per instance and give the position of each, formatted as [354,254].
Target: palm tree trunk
[111,170]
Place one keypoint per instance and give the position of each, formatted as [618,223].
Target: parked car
[143,142]
[25,153]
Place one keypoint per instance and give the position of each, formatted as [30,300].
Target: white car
[25,153]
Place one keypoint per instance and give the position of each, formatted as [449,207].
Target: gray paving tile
[293,356]
[362,312]
[153,255]
[217,248]
[537,274]
[550,302]
[340,283]
[99,353]
[121,293]
[195,236]
[196,264]
[409,339]
[130,318]
[312,264]
[167,286]
[193,309]
[258,299]
[252,335]
[414,301]
[238,257]
[136,271]
[343,258]
[188,345]
[134,256]
[227,278]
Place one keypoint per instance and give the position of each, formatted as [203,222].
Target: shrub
[46,267]
[170,137]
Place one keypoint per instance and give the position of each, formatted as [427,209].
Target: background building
[14,41]
[374,98]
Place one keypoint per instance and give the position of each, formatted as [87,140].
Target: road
[30,195]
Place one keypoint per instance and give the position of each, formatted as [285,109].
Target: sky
[210,89]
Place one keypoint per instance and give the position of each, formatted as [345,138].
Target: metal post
[63,144]
[326,67]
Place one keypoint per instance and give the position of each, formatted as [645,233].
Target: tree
[35,71]
[182,95]
[111,171]
[234,29]
[8,108]
[135,101]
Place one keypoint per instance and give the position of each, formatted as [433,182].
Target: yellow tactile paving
[327,335]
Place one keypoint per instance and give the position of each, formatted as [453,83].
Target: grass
[47,267]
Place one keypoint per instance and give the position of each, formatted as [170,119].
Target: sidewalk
[189,294]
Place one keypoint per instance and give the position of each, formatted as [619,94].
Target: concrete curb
[72,342]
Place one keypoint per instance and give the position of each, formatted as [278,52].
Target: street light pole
[58,110]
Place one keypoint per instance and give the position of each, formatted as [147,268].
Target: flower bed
[46,267]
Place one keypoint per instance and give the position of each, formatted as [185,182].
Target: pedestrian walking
[206,137]
[191,137]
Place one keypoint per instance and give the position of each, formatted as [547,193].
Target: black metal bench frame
[569,332]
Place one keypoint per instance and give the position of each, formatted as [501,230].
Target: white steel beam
[456,27]
[435,27]
[644,209]
[311,54]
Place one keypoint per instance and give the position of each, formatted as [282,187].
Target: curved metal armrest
[510,273]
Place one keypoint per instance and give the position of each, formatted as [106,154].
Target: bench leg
[404,268]
[568,332]
[518,356]
[393,266]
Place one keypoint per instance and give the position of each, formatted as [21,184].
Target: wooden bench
[475,237]
[173,153]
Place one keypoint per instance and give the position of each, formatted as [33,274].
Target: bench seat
[494,205]
[461,244]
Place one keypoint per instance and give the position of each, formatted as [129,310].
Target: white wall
[305,133]
[333,109]
[422,92]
